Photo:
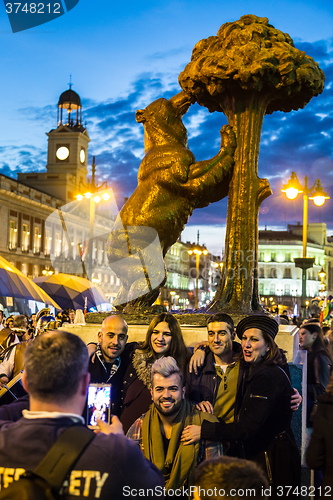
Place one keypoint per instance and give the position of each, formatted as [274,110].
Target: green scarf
[179,464]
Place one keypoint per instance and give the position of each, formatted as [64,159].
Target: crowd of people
[226,406]
[16,331]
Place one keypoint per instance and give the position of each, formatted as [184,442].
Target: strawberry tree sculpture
[248,70]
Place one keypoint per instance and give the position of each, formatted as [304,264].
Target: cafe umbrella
[71,291]
[15,284]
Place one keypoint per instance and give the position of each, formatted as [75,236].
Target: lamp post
[317,194]
[197,251]
[94,198]
[322,276]
[172,298]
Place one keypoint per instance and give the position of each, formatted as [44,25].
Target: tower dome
[70,101]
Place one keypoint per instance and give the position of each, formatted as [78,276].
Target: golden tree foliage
[251,55]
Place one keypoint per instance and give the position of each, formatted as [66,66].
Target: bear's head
[162,121]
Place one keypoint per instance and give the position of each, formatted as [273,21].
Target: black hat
[263,323]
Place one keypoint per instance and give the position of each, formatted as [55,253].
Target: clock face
[82,156]
[62,153]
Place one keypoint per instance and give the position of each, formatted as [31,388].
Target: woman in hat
[261,429]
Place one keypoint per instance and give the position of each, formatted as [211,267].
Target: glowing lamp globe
[291,193]
[319,200]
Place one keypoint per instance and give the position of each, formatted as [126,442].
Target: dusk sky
[122,56]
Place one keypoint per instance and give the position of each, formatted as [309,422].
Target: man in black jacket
[56,377]
[109,362]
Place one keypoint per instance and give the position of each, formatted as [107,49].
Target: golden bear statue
[171,184]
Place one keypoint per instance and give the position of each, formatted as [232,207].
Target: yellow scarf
[179,463]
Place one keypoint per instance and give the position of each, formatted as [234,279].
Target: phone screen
[98,403]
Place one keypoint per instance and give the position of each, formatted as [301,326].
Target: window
[288,257]
[100,254]
[261,288]
[261,272]
[37,239]
[261,256]
[287,272]
[286,289]
[272,272]
[12,235]
[25,237]
[273,256]
[272,289]
[94,251]
[57,244]
[35,273]
[25,269]
[48,240]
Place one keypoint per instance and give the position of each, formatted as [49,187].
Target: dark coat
[136,396]
[107,465]
[319,454]
[99,374]
[262,423]
[318,374]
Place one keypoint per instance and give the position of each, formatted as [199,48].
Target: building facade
[280,282]
[180,288]
[43,229]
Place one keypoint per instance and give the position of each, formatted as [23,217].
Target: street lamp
[172,298]
[94,198]
[317,194]
[197,251]
[322,276]
[47,272]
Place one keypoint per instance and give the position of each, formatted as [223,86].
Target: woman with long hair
[164,338]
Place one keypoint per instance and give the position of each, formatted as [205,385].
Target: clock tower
[67,152]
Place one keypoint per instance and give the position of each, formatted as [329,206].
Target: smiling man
[109,362]
[214,386]
[158,431]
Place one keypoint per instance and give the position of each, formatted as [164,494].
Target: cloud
[14,159]
[166,54]
[319,50]
[298,141]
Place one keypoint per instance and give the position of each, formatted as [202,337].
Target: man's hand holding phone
[116,427]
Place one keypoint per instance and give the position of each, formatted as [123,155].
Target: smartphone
[98,404]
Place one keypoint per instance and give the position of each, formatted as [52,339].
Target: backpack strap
[63,455]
